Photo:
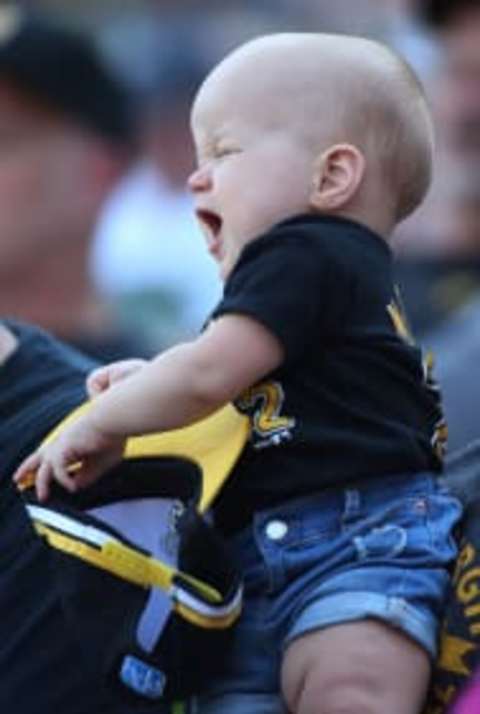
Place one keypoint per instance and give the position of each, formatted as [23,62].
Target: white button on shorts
[276,530]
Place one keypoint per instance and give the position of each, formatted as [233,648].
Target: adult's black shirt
[352,399]
[44,668]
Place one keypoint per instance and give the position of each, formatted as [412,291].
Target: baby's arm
[189,381]
[180,386]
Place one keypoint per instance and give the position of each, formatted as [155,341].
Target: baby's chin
[230,257]
[224,272]
[225,268]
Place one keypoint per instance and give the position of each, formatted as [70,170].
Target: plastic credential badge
[144,578]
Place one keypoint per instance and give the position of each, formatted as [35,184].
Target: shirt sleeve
[284,280]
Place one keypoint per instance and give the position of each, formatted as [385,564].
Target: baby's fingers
[28,467]
[42,482]
[62,472]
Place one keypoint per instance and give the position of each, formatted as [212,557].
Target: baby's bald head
[333,89]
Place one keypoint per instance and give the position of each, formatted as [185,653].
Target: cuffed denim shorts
[380,550]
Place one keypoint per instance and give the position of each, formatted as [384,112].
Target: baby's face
[253,170]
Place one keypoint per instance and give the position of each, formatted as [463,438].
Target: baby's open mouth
[211,224]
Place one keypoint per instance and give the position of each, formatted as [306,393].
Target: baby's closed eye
[222,150]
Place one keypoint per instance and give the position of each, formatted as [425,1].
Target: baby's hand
[76,458]
[102,378]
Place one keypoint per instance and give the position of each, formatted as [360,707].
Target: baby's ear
[338,173]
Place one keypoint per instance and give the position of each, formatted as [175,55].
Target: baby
[311,148]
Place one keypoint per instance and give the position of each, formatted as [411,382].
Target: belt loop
[352,502]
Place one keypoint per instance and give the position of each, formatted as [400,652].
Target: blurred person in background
[441,273]
[65,140]
[457,25]
[448,281]
[149,255]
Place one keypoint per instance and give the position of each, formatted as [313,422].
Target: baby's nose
[199,179]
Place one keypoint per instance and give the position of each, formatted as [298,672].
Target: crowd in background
[147,264]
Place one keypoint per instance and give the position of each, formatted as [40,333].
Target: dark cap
[439,13]
[64,68]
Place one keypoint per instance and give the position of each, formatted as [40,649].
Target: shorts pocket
[418,531]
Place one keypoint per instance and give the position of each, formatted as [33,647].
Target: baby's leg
[331,580]
[363,635]
[363,667]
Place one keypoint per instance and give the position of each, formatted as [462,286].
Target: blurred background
[149,275]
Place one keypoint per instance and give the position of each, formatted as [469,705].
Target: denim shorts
[380,550]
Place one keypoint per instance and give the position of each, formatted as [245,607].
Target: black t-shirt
[352,399]
[43,666]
